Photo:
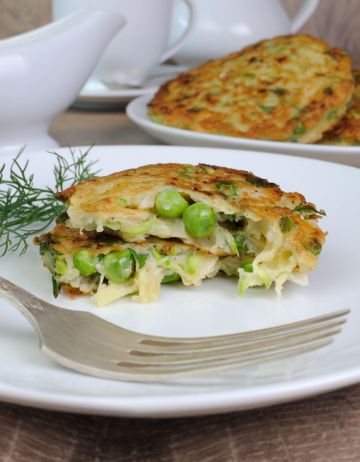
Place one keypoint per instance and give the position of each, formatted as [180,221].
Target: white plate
[28,377]
[96,92]
[137,112]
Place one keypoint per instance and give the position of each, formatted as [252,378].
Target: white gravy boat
[229,25]
[42,72]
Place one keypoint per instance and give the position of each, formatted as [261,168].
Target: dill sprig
[27,210]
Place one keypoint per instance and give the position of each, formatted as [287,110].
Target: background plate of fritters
[137,111]
[347,131]
[29,378]
[287,88]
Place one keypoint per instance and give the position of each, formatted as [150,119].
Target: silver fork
[86,343]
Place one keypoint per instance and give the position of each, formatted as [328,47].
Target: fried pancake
[156,261]
[289,88]
[347,131]
[252,216]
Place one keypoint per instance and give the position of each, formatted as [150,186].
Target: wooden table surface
[321,429]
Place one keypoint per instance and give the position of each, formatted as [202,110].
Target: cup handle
[171,51]
[307,9]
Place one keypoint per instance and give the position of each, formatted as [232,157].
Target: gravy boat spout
[42,72]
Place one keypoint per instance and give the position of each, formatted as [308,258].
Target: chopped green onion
[267,108]
[241,243]
[286,224]
[192,263]
[170,278]
[56,286]
[313,247]
[307,209]
[138,229]
[122,202]
[247,265]
[227,187]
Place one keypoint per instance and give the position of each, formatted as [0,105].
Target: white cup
[142,44]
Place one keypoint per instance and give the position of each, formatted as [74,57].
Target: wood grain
[336,21]
[323,429]
[85,128]
[17,16]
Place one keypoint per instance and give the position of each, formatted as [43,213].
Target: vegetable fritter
[289,88]
[347,131]
[109,269]
[219,211]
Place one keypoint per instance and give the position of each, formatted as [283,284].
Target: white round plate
[96,92]
[28,377]
[137,112]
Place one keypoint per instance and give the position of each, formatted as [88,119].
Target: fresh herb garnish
[27,210]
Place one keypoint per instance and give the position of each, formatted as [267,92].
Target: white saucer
[96,92]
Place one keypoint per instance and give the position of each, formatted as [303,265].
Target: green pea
[170,203]
[119,265]
[199,220]
[60,266]
[247,265]
[169,278]
[85,262]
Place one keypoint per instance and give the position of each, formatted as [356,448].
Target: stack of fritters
[289,88]
[130,232]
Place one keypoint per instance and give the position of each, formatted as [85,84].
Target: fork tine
[254,333]
[97,347]
[173,345]
[241,350]
[132,371]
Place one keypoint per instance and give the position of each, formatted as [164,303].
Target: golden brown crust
[72,292]
[347,131]
[67,241]
[227,190]
[289,88]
